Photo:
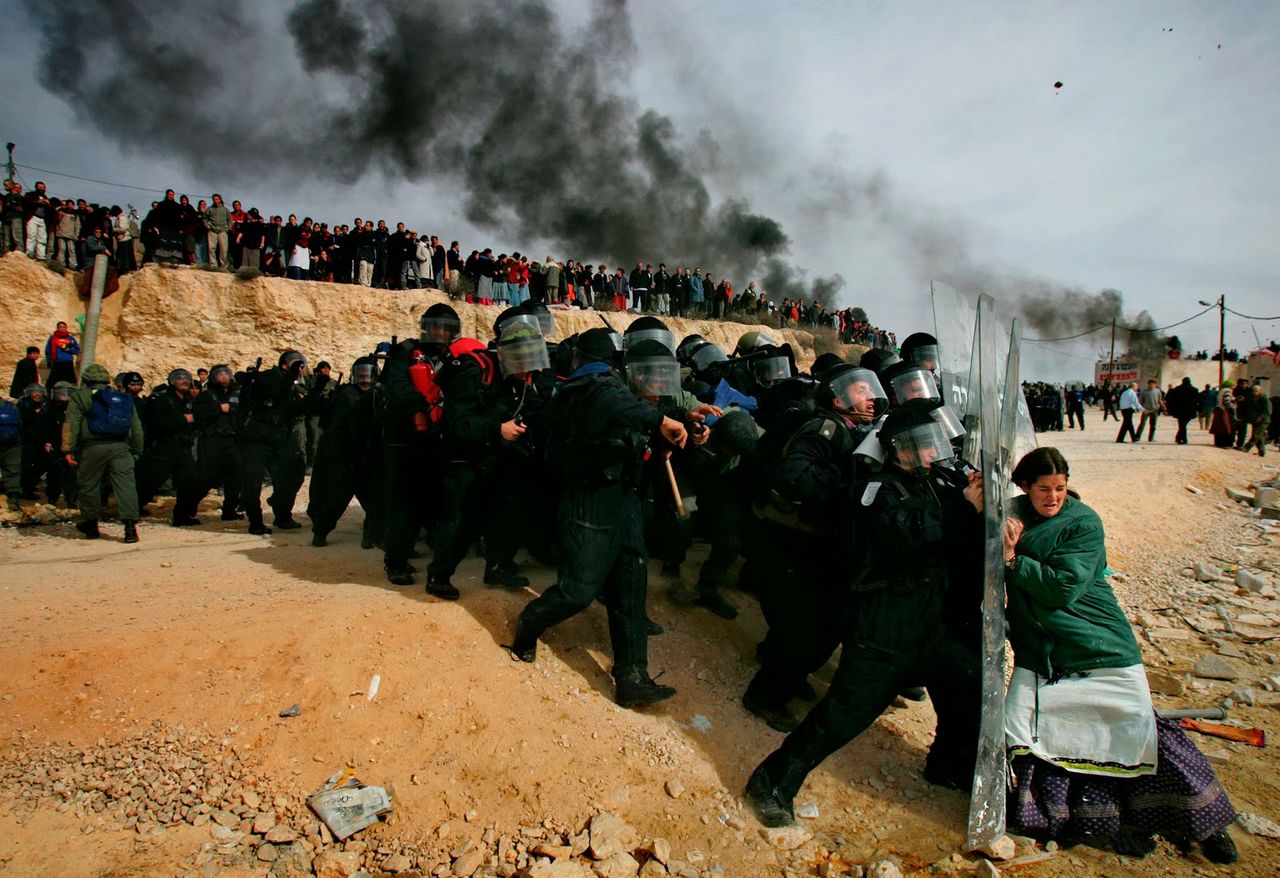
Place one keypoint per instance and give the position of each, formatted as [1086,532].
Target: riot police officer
[216,412]
[599,431]
[267,444]
[169,449]
[349,460]
[914,620]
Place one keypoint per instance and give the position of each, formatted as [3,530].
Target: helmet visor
[654,376]
[440,330]
[919,447]
[61,394]
[770,369]
[925,356]
[523,355]
[914,384]
[362,374]
[858,390]
[665,336]
[527,320]
[950,423]
[707,355]
[34,391]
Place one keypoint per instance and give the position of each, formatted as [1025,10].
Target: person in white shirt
[1129,403]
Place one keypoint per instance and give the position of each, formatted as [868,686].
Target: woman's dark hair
[1037,463]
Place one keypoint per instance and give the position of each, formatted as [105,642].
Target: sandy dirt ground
[163,667]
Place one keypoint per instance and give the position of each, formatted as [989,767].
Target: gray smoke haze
[534,124]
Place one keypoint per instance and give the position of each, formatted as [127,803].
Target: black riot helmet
[34,392]
[649,328]
[180,379]
[599,345]
[771,364]
[921,348]
[687,346]
[216,373]
[440,325]
[824,363]
[652,368]
[852,390]
[705,355]
[133,382]
[914,438]
[907,381]
[292,360]
[753,340]
[364,372]
[878,359]
[522,350]
[60,395]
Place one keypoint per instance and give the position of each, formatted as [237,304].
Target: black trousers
[894,640]
[602,556]
[282,459]
[218,465]
[404,478]
[334,481]
[49,465]
[474,507]
[1181,437]
[170,460]
[804,605]
[1126,426]
[1074,414]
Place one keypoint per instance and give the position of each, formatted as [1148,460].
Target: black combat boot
[318,539]
[1219,848]
[130,531]
[441,587]
[504,575]
[89,528]
[401,574]
[635,689]
[772,807]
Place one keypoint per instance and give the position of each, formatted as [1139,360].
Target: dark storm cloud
[533,122]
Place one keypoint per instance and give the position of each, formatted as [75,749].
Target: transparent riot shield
[954,318]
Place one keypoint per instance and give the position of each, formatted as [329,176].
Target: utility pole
[1111,362]
[1222,335]
[11,172]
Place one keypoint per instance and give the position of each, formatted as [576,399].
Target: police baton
[675,489]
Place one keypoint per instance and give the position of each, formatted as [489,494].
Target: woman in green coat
[1089,757]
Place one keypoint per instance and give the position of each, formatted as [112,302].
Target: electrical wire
[91,179]
[1248,317]
[1131,329]
[1058,352]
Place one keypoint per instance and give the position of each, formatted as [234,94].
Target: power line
[1058,352]
[1070,337]
[1247,317]
[90,179]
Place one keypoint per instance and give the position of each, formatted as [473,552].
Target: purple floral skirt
[1183,799]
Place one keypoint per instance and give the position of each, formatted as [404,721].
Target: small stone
[268,853]
[884,869]
[1255,619]
[659,849]
[336,864]
[653,869]
[293,862]
[1256,825]
[281,834]
[674,788]
[1242,696]
[1230,650]
[807,810]
[397,863]
[292,710]
[986,870]
[262,822]
[1193,489]
[1213,667]
[609,835]
[1165,683]
[251,800]
[619,865]
[1215,755]
[225,818]
[552,851]
[1207,572]
[465,866]
[1002,848]
[786,838]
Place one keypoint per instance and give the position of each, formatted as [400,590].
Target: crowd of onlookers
[213,234]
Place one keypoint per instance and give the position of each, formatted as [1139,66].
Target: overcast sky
[874,131]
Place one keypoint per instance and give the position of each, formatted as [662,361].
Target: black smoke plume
[532,122]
